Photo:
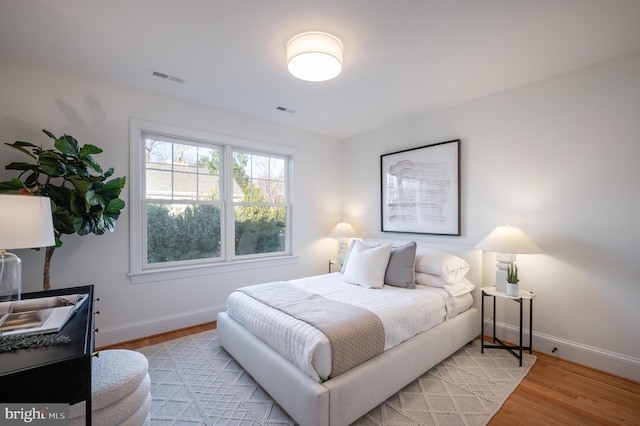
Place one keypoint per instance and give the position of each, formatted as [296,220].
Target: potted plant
[512,280]
[83,201]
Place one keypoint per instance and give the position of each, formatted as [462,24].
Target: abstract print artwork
[421,189]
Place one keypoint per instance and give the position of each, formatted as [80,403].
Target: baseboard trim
[597,358]
[109,336]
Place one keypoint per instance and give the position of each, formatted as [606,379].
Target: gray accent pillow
[401,268]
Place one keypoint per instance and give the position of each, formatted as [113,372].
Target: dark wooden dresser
[53,374]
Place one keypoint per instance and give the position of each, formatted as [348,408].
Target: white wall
[559,159]
[98,112]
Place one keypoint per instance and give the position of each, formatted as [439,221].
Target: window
[182,201]
[202,200]
[260,207]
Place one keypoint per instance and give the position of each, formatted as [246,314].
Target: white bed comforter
[404,313]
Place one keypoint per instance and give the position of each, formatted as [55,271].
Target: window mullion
[228,222]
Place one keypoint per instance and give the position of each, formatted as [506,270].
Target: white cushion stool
[120,390]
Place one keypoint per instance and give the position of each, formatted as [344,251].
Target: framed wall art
[421,189]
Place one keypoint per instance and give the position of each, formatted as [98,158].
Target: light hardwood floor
[555,392]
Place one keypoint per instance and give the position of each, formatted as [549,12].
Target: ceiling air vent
[168,77]
[285,109]
[161,75]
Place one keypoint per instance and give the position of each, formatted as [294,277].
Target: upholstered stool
[120,390]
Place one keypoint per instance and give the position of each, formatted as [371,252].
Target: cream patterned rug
[194,381]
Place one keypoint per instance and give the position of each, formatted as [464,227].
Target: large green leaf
[94,198]
[21,166]
[113,186]
[80,184]
[114,206]
[99,226]
[52,166]
[110,223]
[82,171]
[32,179]
[63,222]
[55,155]
[11,187]
[78,203]
[88,161]
[60,195]
[113,216]
[72,168]
[89,149]
[82,225]
[48,133]
[20,146]
[68,145]
[96,185]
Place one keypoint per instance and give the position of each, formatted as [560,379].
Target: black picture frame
[420,190]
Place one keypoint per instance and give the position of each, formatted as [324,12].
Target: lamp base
[10,277]
[343,246]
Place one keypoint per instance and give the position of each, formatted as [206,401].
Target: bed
[307,388]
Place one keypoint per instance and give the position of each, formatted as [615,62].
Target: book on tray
[38,316]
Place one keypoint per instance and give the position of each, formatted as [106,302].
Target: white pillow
[366,266]
[446,265]
[430,280]
[463,286]
[458,289]
[346,256]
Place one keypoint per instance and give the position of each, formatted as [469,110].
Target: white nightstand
[524,295]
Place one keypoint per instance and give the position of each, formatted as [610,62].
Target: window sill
[164,274]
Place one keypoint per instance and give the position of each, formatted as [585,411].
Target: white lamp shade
[314,56]
[25,222]
[343,230]
[510,240]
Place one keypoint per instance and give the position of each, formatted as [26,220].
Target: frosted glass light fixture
[343,232]
[314,56]
[507,242]
[25,222]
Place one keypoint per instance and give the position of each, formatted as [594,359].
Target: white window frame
[144,200]
[230,206]
[139,273]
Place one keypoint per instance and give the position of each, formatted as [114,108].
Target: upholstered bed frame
[345,398]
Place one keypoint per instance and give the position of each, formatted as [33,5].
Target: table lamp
[343,232]
[507,242]
[25,222]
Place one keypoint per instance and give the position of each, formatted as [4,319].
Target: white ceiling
[402,58]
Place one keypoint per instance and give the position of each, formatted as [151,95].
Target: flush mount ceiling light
[314,56]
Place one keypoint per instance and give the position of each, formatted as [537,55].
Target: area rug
[194,381]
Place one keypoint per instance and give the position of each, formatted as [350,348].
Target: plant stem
[46,277]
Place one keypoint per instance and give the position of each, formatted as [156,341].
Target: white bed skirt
[345,398]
